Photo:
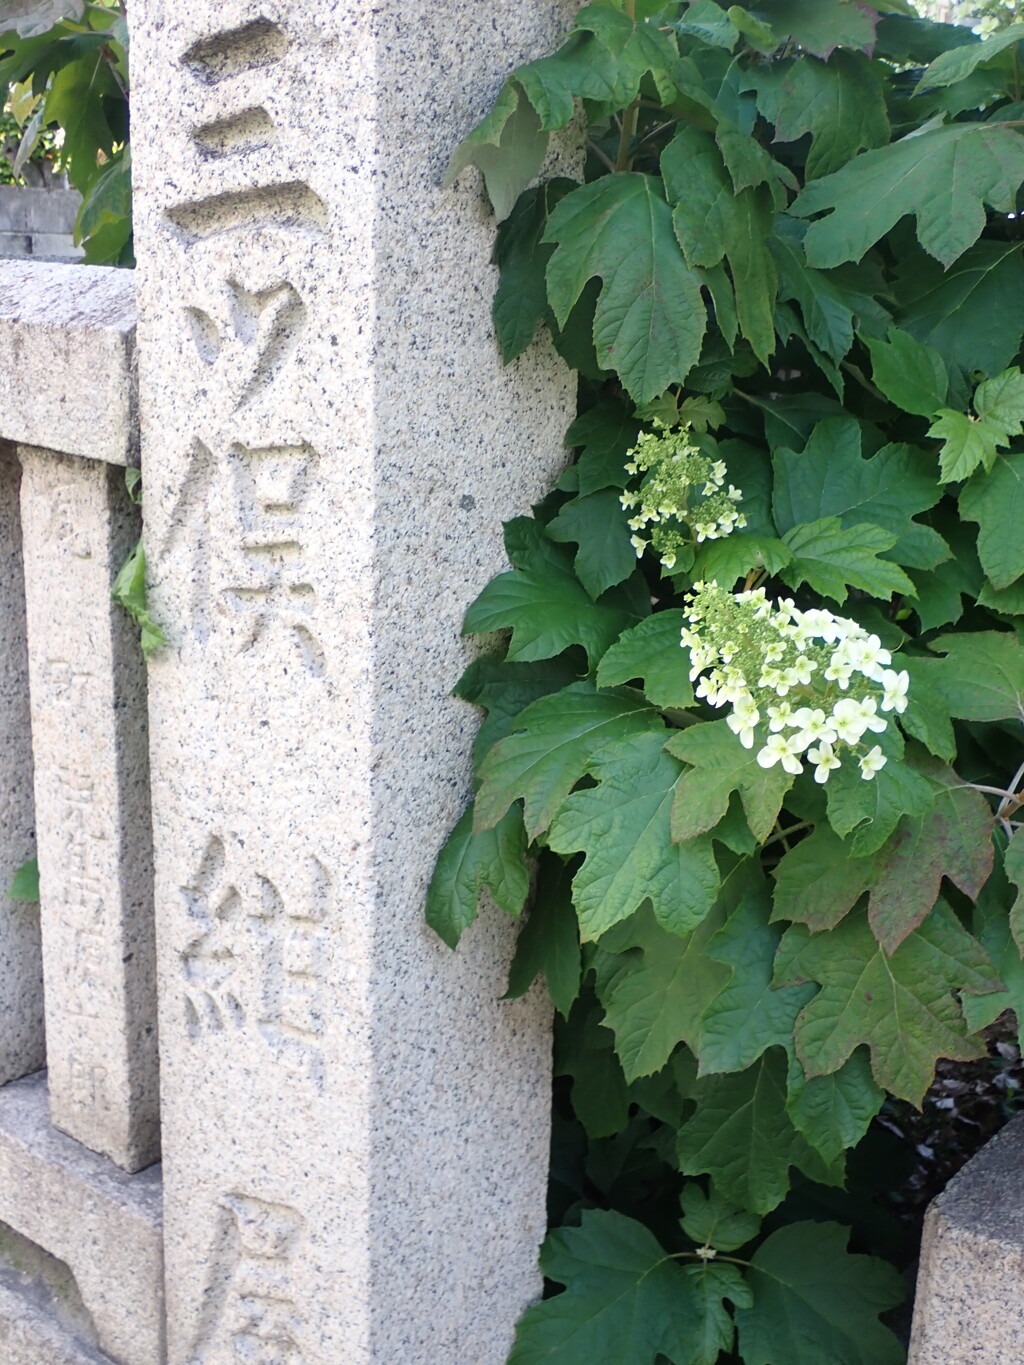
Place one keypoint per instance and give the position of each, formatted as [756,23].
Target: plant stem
[601,156]
[624,160]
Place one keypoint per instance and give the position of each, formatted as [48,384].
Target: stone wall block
[969,1306]
[88,693]
[22,1043]
[330,443]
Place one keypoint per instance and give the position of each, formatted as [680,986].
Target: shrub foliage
[778,875]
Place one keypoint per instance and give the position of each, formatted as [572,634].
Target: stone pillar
[22,1044]
[355,1129]
[92,807]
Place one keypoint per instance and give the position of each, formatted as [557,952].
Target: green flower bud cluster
[682,497]
[801,684]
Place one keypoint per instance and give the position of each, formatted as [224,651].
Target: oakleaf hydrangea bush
[751,765]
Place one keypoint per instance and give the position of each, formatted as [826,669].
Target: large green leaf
[818,881]
[521,299]
[953,839]
[748,1015]
[869,811]
[547,754]
[901,1007]
[657,996]
[596,523]
[944,177]
[910,373]
[626,1300]
[650,317]
[545,605]
[720,766]
[972,314]
[549,941]
[495,858]
[814,1302]
[982,675]
[821,25]
[606,432]
[505,689]
[509,147]
[950,67]
[833,1112]
[652,652]
[840,103]
[826,307]
[712,1221]
[832,559]
[622,825]
[713,221]
[996,502]
[742,1137]
[830,478]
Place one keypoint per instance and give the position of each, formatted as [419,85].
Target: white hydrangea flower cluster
[801,684]
[683,497]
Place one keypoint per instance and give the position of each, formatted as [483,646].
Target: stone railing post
[22,1044]
[355,1129]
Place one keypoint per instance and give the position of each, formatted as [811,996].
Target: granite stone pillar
[88,690]
[22,1044]
[355,1129]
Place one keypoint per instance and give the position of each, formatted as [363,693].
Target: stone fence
[279,1121]
[38,223]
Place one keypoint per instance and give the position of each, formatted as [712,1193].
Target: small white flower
[872,720]
[736,494]
[780,750]
[894,697]
[668,561]
[815,727]
[803,669]
[638,545]
[848,720]
[872,762]
[824,760]
[780,716]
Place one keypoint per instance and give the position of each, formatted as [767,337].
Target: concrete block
[22,1044]
[55,246]
[67,368]
[28,209]
[15,244]
[104,1227]
[88,688]
[330,443]
[969,1306]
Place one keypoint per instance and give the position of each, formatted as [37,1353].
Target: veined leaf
[521,298]
[832,559]
[827,309]
[545,605]
[840,103]
[742,1137]
[606,432]
[622,825]
[713,220]
[996,502]
[830,478]
[814,1302]
[650,317]
[748,1015]
[944,177]
[869,811]
[973,441]
[818,882]
[509,147]
[821,27]
[656,998]
[982,675]
[953,839]
[911,374]
[596,523]
[495,858]
[549,941]
[548,753]
[950,67]
[901,1007]
[712,1221]
[652,652]
[626,1299]
[720,766]
[833,1112]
